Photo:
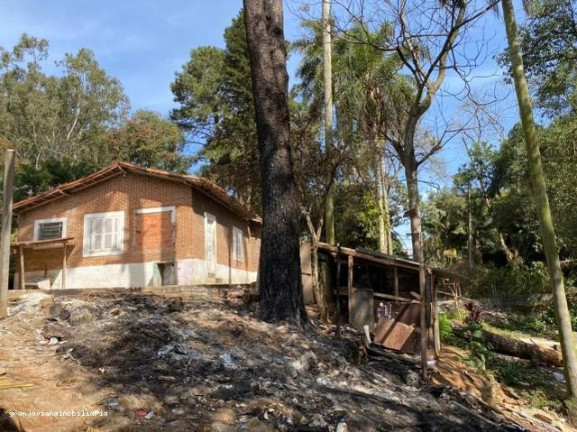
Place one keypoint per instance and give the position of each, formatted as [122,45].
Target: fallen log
[514,347]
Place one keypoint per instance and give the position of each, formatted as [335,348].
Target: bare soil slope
[192,363]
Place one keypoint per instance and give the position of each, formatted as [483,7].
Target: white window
[210,241]
[49,229]
[103,233]
[237,245]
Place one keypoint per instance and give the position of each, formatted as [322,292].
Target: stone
[256,425]
[412,378]
[64,315]
[224,415]
[342,427]
[80,316]
[55,309]
[318,421]
[303,363]
[175,305]
[55,330]
[559,377]
[221,427]
[116,311]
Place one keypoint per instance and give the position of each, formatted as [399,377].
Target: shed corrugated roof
[201,184]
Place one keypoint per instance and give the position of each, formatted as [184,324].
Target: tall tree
[549,45]
[148,140]
[216,109]
[539,187]
[64,115]
[279,271]
[328,114]
[424,35]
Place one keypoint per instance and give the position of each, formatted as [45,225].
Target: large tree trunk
[539,190]
[280,268]
[413,212]
[514,347]
[328,112]
[382,200]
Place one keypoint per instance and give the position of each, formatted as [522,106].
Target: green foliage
[216,109]
[445,328]
[549,41]
[533,384]
[150,141]
[34,179]
[480,350]
[52,116]
[525,279]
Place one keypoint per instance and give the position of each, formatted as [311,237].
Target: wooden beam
[22,281]
[368,257]
[396,280]
[436,329]
[395,298]
[64,266]
[6,231]
[350,287]
[424,330]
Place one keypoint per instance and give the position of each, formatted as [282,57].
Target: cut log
[514,347]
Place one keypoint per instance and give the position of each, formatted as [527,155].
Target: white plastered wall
[188,272]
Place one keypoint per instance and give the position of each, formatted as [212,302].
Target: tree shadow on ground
[150,354]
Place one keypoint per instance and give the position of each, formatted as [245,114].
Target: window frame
[212,264]
[237,241]
[39,222]
[87,237]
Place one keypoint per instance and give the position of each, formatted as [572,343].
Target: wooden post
[338,285]
[350,288]
[396,281]
[64,265]
[436,330]
[6,231]
[22,281]
[423,313]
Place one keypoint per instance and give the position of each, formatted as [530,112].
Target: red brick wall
[129,192]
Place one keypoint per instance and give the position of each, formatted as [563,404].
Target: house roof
[203,185]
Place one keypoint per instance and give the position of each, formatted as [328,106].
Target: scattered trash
[559,377]
[149,415]
[228,362]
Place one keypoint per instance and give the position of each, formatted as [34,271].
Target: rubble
[210,365]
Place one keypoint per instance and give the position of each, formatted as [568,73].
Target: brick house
[127,226]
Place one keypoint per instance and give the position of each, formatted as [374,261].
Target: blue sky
[143,43]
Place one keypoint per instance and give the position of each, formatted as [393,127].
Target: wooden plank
[396,280]
[383,261]
[394,297]
[22,281]
[41,242]
[423,305]
[350,288]
[436,329]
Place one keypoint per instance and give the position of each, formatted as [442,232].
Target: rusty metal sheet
[397,335]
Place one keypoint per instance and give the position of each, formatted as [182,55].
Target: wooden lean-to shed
[396,298]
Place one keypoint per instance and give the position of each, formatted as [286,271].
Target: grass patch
[542,324]
[532,383]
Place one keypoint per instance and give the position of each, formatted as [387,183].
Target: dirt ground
[161,362]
